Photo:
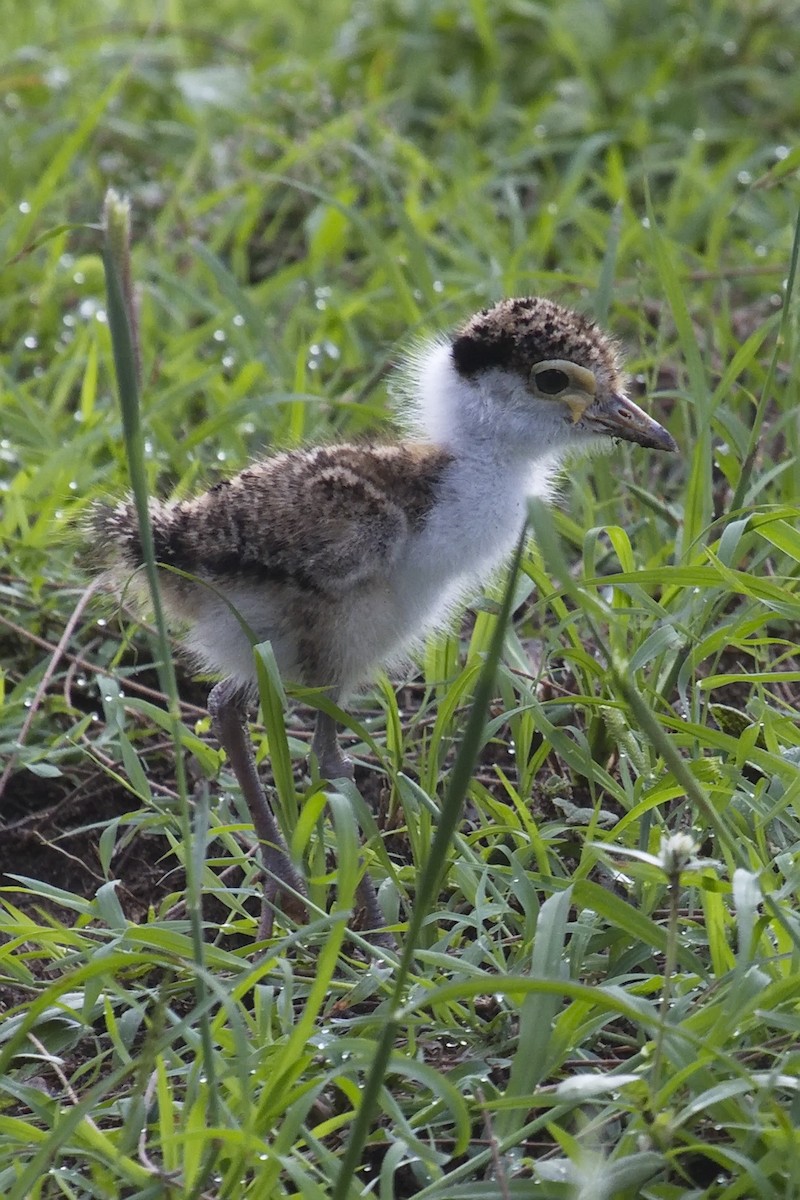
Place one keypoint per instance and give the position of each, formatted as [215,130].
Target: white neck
[490,417]
[497,462]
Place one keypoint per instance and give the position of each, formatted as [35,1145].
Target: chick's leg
[333,764]
[228,712]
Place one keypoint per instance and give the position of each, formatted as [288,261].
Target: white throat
[488,422]
[483,505]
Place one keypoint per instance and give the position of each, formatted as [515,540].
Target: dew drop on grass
[30,342]
[228,361]
[24,206]
[57,77]
[781,152]
[238,320]
[438,286]
[698,134]
[218,335]
[744,178]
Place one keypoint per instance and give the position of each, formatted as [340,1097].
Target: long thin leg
[228,714]
[374,920]
[333,764]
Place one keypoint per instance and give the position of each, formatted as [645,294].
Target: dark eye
[551,382]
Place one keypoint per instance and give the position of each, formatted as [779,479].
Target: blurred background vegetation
[314,186]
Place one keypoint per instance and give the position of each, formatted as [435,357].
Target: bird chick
[344,556]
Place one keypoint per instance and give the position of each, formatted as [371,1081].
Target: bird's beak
[619,417]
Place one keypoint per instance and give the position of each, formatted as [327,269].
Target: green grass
[584,1013]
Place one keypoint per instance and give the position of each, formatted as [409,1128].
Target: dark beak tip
[663,441]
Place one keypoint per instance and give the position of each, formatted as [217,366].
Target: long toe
[372,918]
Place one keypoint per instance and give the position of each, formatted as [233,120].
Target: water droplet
[218,335]
[89,307]
[781,152]
[699,135]
[744,178]
[438,286]
[30,342]
[238,320]
[57,77]
[24,207]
